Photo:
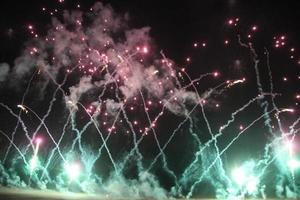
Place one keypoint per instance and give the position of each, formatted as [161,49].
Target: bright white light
[145,49]
[293,164]
[216,74]
[239,176]
[290,146]
[73,170]
[252,185]
[244,178]
[39,141]
[33,163]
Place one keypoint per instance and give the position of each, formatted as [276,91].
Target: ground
[18,194]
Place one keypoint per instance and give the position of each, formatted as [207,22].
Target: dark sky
[175,24]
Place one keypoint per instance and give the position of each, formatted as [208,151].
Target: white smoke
[4,69]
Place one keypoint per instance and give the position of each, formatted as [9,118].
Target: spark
[241,127]
[232,83]
[22,108]
[216,74]
[155,72]
[145,49]
[291,110]
[230,22]
[254,28]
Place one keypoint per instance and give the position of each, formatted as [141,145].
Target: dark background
[175,24]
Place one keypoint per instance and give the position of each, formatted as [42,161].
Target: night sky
[58,90]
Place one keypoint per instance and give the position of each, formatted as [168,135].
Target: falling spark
[22,108]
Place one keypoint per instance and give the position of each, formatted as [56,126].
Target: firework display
[101,109]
